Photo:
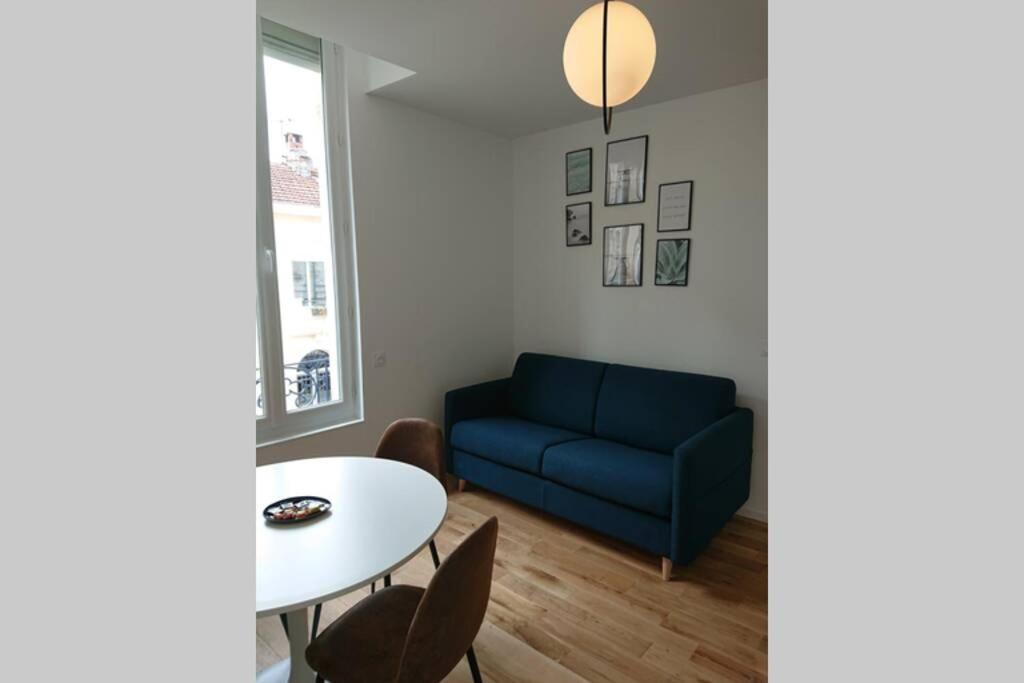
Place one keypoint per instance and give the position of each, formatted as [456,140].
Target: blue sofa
[658,459]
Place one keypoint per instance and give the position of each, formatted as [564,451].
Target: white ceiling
[497,64]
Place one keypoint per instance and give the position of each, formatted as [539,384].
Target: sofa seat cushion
[629,476]
[509,441]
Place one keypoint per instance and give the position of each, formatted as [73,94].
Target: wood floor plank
[569,559]
[570,605]
[711,660]
[759,543]
[571,612]
[270,632]
[265,655]
[519,619]
[750,560]
[755,525]
[679,663]
[749,528]
[504,658]
[734,643]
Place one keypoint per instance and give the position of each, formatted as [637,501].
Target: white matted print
[623,255]
[674,205]
[625,171]
[577,225]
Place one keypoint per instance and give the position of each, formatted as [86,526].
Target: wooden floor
[570,605]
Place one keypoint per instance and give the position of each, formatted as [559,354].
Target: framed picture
[578,173]
[577,225]
[674,203]
[672,263]
[625,171]
[623,255]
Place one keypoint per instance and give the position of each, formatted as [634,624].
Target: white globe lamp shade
[631,53]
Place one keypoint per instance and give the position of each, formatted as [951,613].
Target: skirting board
[757,515]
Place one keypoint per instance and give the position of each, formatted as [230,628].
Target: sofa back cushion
[556,391]
[659,409]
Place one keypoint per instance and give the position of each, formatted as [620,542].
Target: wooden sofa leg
[666,569]
[462,485]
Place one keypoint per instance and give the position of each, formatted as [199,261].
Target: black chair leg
[473,668]
[319,678]
[284,623]
[387,580]
[316,618]
[433,554]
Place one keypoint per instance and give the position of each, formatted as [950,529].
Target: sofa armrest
[711,480]
[708,457]
[488,399]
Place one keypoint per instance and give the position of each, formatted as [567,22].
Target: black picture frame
[590,225]
[657,262]
[604,256]
[590,171]
[689,212]
[607,161]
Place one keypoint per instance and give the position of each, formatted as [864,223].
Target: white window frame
[277,424]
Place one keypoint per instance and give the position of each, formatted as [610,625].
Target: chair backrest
[451,610]
[415,442]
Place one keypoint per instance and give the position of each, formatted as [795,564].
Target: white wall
[462,263]
[433,235]
[716,325]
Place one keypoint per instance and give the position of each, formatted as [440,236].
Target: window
[310,288]
[307,374]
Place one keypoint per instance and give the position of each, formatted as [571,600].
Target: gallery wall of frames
[660,256]
[625,183]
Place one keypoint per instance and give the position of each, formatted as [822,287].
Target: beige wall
[716,325]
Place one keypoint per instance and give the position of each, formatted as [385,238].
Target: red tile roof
[294,188]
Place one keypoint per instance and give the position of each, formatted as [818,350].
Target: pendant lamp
[609,55]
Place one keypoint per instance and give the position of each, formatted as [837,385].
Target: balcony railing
[306,383]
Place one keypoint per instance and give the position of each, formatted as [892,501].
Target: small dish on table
[296,509]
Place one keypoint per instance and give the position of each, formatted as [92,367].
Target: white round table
[382,513]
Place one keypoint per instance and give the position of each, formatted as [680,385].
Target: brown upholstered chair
[416,442]
[419,443]
[405,634]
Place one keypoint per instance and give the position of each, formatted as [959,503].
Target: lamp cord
[606,111]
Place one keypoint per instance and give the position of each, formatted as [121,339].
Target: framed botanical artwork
[625,171]
[577,225]
[578,173]
[623,255]
[672,263]
[674,203]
